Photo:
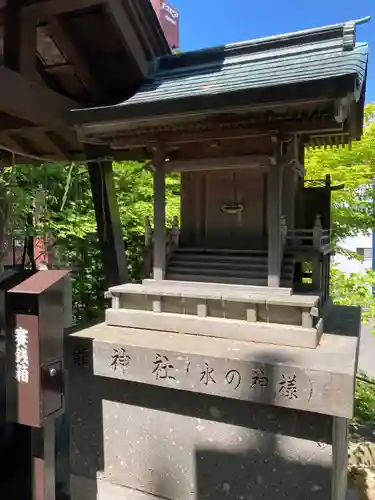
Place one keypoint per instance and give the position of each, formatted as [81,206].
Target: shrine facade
[233,317]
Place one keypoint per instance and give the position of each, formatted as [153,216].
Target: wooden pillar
[43,470]
[107,215]
[340,458]
[159,216]
[289,194]
[20,40]
[274,202]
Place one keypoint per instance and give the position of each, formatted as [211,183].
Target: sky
[207,23]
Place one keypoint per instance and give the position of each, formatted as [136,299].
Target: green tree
[67,216]
[352,208]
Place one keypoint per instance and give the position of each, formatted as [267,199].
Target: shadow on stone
[85,420]
[262,450]
[177,444]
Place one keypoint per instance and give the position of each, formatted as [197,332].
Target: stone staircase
[238,267]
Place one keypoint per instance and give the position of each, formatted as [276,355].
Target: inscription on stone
[288,386]
[163,368]
[207,376]
[254,380]
[120,359]
[81,357]
[233,378]
[259,378]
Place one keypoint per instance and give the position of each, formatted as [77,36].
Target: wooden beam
[41,139]
[46,9]
[32,101]
[10,143]
[24,144]
[60,145]
[125,28]
[19,40]
[219,163]
[56,31]
[174,138]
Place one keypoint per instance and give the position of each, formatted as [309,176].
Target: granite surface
[317,380]
[179,417]
[181,445]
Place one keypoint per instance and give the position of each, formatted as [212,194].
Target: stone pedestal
[161,415]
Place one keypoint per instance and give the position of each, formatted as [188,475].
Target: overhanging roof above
[86,52]
[326,61]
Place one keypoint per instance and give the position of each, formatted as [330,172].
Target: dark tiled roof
[286,59]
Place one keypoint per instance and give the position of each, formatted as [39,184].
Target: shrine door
[223,209]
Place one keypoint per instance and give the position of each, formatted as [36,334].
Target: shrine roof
[258,63]
[324,62]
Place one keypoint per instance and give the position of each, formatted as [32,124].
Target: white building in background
[362,244]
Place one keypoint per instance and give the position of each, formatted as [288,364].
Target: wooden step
[238,266]
[221,251]
[231,280]
[226,271]
[193,257]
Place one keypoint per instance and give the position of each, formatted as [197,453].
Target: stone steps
[246,267]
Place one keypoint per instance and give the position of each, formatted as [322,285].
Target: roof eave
[116,118]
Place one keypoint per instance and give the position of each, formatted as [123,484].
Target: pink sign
[169,20]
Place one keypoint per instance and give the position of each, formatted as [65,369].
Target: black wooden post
[107,215]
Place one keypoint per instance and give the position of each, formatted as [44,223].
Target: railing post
[317,233]
[175,233]
[284,232]
[316,265]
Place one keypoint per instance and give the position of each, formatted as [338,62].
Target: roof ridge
[241,58]
[346,31]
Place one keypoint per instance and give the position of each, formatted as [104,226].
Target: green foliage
[66,215]
[354,290]
[352,207]
[364,411]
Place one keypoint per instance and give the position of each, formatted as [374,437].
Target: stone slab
[234,329]
[316,380]
[208,291]
[180,289]
[137,442]
[223,287]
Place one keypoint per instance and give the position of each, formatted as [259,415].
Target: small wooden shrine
[253,244]
[231,369]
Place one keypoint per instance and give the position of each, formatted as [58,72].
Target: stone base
[180,417]
[169,444]
[105,490]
